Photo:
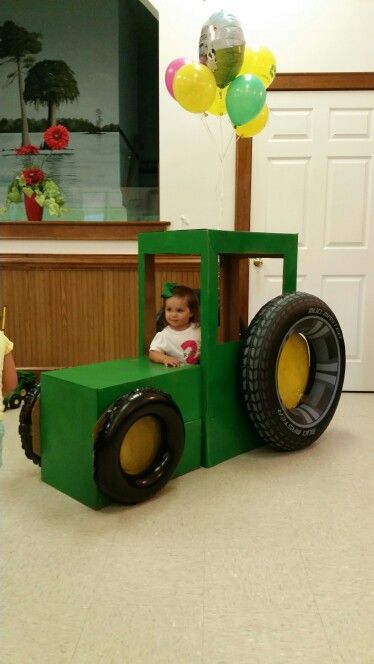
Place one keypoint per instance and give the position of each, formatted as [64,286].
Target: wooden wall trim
[243,184]
[324,81]
[287,83]
[78,230]
[59,262]
[123,262]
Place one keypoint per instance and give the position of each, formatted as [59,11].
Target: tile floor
[265,559]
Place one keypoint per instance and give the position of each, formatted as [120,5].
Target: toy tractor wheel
[139,441]
[29,424]
[293,364]
[14,401]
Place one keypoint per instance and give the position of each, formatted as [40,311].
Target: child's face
[177,313]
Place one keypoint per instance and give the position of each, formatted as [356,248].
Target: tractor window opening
[232,297]
[246,283]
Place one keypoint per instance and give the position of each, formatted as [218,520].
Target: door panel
[313,173]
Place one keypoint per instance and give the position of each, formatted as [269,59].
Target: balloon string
[228,145]
[221,157]
[222,173]
[203,117]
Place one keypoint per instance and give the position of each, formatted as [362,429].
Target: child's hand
[171,362]
[161,358]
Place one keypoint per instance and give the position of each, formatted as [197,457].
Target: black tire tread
[257,348]
[25,423]
[109,477]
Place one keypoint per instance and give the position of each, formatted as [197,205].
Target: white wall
[304,35]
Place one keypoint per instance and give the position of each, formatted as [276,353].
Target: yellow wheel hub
[293,370]
[140,445]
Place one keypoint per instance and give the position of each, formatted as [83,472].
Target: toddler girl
[179,342]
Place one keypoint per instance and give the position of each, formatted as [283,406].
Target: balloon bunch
[229,77]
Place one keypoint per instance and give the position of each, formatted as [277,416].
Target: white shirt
[183,344]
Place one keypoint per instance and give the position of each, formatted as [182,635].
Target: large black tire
[282,427]
[111,475]
[29,424]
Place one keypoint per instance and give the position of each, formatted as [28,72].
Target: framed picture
[91,67]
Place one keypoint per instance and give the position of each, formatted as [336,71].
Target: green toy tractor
[117,431]
[26,380]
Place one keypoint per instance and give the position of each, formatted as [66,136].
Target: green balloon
[246,96]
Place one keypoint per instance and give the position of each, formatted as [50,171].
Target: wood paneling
[65,310]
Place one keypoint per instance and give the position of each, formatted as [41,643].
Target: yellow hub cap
[140,445]
[293,370]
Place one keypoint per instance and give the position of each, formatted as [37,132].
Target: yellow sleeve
[6,346]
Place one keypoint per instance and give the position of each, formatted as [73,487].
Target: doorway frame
[300,82]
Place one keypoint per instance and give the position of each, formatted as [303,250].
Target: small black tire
[292,428]
[29,427]
[111,477]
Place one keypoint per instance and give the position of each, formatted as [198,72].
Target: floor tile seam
[88,611]
[48,549]
[11,555]
[271,607]
[360,556]
[203,640]
[318,611]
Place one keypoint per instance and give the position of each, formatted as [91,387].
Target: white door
[313,174]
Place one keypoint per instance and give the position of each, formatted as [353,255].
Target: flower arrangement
[33,180]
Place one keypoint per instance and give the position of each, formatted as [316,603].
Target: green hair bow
[167,290]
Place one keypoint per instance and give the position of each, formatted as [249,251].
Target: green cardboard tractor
[117,431]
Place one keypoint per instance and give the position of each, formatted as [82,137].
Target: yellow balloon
[261,63]
[219,105]
[254,126]
[194,87]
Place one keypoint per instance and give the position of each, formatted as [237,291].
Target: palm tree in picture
[50,83]
[99,119]
[16,46]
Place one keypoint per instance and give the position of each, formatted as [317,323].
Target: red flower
[56,137]
[27,149]
[32,175]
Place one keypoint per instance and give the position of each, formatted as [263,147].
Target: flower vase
[34,211]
